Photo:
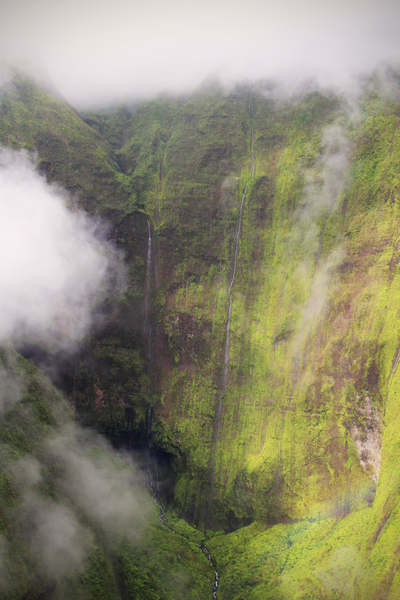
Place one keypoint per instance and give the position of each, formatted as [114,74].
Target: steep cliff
[255,348]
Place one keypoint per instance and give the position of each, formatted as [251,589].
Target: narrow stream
[153,483]
[253,163]
[228,326]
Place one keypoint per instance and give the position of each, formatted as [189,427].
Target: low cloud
[58,542]
[11,390]
[74,493]
[103,52]
[324,185]
[104,486]
[96,491]
[55,265]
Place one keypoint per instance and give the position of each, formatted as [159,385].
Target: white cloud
[54,264]
[95,51]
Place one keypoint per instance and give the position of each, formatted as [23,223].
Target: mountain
[253,354]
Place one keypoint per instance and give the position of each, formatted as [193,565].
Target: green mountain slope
[298,451]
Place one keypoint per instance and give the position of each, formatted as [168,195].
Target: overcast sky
[97,49]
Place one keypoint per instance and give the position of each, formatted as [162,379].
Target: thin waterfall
[253,164]
[394,365]
[157,211]
[147,278]
[148,327]
[306,312]
[228,326]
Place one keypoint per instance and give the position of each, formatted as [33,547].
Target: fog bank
[99,52]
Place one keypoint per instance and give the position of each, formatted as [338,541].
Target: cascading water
[156,211]
[207,554]
[394,366]
[148,329]
[228,327]
[147,278]
[306,312]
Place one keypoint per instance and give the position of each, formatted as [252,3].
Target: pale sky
[96,51]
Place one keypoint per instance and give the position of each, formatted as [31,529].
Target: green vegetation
[305,496]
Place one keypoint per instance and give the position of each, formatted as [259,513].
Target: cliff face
[282,409]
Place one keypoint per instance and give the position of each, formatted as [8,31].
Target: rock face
[368,440]
[285,439]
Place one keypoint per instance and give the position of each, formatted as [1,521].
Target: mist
[96,491]
[56,265]
[57,268]
[97,53]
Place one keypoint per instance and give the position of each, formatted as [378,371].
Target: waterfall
[394,365]
[147,277]
[228,326]
[156,209]
[148,327]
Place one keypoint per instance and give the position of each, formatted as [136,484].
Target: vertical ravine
[228,326]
